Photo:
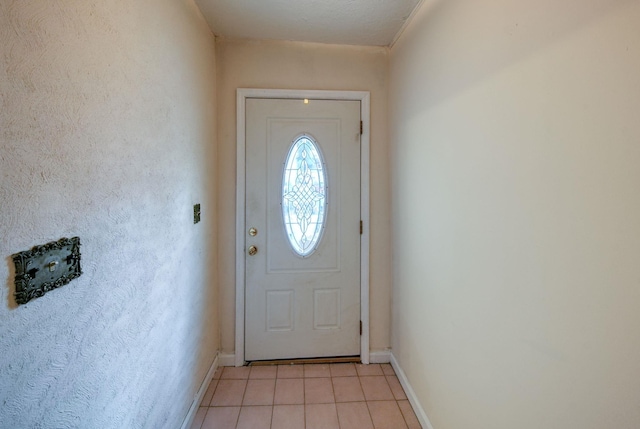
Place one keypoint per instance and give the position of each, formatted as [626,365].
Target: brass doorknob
[253,250]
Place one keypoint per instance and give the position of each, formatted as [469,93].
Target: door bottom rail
[322,360]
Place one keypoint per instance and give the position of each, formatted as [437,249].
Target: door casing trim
[364,97]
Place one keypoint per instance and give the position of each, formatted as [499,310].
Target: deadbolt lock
[253,250]
[253,232]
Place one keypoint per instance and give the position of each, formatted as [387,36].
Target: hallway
[502,279]
[311,396]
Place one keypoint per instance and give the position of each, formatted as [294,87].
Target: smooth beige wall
[295,65]
[107,132]
[515,145]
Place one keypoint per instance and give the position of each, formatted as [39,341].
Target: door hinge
[361,227]
[361,327]
[361,128]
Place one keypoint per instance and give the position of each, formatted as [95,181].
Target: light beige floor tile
[318,391]
[235,373]
[354,415]
[288,417]
[229,393]
[263,371]
[376,388]
[386,415]
[347,389]
[396,388]
[199,418]
[371,369]
[221,418]
[316,370]
[206,399]
[289,391]
[290,371]
[321,416]
[259,392]
[409,416]
[387,369]
[255,418]
[343,370]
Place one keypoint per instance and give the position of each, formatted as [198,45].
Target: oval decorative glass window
[304,195]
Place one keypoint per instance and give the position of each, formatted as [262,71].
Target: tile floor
[312,396]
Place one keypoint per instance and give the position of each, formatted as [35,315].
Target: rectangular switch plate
[196,213]
[46,267]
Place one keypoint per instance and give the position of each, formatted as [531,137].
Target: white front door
[302,246]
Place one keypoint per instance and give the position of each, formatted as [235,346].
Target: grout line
[214,390]
[333,390]
[239,411]
[246,386]
[273,407]
[402,414]
[304,398]
[205,417]
[335,403]
[365,398]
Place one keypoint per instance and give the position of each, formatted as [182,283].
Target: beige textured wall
[515,179]
[107,114]
[294,65]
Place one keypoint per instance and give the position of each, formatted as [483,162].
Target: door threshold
[323,360]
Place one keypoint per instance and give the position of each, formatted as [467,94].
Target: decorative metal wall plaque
[46,267]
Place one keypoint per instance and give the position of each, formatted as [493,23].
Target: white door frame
[364,98]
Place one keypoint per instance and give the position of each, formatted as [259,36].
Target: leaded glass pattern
[304,195]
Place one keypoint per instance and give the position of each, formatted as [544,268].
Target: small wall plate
[46,267]
[196,213]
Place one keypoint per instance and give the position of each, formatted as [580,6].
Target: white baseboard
[380,356]
[227,359]
[411,395]
[186,424]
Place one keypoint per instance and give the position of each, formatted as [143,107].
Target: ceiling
[348,22]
